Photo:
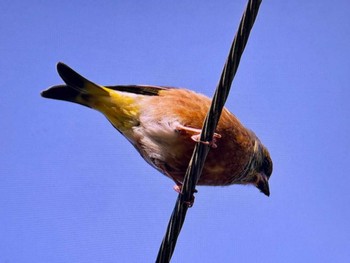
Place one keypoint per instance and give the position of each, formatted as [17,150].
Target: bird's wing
[147,90]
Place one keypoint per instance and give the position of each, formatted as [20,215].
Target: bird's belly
[216,171]
[171,156]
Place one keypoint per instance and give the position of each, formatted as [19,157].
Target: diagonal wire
[201,150]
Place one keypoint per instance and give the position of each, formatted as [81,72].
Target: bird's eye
[267,166]
[266,162]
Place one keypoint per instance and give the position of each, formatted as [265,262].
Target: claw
[178,188]
[190,203]
[197,135]
[212,143]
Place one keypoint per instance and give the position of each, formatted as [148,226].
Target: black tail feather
[62,92]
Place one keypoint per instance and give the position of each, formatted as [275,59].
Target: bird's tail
[78,89]
[120,108]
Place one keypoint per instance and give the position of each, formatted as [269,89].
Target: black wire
[201,150]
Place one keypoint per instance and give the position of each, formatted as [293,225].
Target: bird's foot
[197,135]
[178,188]
[211,143]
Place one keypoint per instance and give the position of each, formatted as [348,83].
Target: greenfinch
[163,124]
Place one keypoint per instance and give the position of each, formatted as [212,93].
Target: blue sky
[73,190]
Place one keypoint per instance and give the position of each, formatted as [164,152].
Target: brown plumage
[162,123]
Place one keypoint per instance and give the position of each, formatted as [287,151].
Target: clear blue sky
[72,189]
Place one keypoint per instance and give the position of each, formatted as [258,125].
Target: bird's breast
[169,150]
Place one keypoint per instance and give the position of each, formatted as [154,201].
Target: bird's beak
[262,184]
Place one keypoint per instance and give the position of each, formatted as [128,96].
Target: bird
[164,124]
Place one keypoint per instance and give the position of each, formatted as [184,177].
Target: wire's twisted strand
[201,150]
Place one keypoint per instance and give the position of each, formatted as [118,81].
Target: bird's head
[262,169]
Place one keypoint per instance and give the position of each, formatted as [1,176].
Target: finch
[164,123]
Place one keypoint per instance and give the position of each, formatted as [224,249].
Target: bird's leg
[178,185]
[196,137]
